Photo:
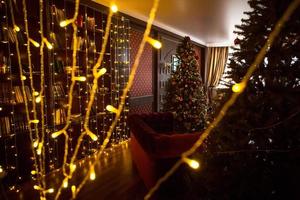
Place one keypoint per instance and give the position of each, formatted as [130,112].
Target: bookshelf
[91,21]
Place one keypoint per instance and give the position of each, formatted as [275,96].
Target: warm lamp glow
[114,8]
[155,43]
[1,170]
[35,43]
[194,164]
[238,87]
[23,78]
[110,108]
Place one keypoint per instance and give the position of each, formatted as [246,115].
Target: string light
[110,108]
[65,182]
[114,8]
[38,99]
[92,174]
[66,22]
[16,28]
[35,144]
[35,93]
[79,78]
[50,190]
[35,43]
[192,163]
[155,43]
[73,189]
[34,121]
[48,44]
[238,87]
[23,78]
[33,172]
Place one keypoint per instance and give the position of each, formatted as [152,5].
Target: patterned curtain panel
[216,59]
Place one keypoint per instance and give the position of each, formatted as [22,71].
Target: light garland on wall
[38,140]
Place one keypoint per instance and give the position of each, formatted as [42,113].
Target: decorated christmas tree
[254,153]
[184,93]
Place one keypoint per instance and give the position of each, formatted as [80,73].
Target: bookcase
[15,153]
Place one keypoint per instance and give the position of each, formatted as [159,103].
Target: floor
[117,178]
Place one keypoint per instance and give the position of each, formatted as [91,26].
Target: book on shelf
[60,116]
[13,95]
[58,90]
[6,125]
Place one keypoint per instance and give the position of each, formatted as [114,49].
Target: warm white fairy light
[35,43]
[155,43]
[192,163]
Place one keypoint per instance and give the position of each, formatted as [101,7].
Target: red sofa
[155,147]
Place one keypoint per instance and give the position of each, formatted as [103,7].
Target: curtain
[216,59]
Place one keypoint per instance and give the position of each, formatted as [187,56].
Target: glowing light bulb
[192,163]
[73,188]
[80,78]
[23,78]
[35,121]
[38,99]
[35,43]
[48,44]
[65,183]
[110,108]
[39,149]
[50,190]
[101,72]
[16,28]
[114,8]
[36,93]
[36,187]
[33,172]
[65,22]
[72,167]
[238,87]
[1,169]
[35,144]
[155,43]
[92,174]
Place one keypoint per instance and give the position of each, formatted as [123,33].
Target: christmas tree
[184,92]
[254,152]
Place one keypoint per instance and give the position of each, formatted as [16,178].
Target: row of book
[13,95]
[6,125]
[60,116]
[58,90]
